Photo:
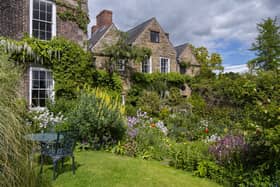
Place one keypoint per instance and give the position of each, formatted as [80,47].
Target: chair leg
[54,170]
[42,162]
[62,162]
[73,164]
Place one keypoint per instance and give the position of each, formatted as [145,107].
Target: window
[154,37]
[120,65]
[41,87]
[164,65]
[146,66]
[43,16]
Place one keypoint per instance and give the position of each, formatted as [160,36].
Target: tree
[209,62]
[266,46]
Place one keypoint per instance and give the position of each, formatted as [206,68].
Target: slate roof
[179,49]
[97,35]
[136,31]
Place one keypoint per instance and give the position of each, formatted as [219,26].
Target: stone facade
[14,18]
[193,66]
[15,22]
[162,49]
[110,37]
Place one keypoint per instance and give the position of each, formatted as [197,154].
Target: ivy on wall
[71,65]
[75,14]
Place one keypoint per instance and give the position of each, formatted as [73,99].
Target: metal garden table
[42,137]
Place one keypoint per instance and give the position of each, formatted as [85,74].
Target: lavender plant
[225,150]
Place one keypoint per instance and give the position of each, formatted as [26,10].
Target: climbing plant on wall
[72,66]
[75,14]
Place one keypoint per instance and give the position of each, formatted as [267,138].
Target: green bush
[188,155]
[151,144]
[98,118]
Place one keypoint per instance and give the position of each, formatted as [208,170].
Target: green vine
[75,14]
[71,65]
[184,64]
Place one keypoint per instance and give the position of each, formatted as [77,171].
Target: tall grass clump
[15,168]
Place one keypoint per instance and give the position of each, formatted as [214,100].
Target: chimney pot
[104,18]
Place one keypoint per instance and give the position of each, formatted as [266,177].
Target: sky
[227,27]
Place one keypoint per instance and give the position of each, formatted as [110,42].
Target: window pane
[35,74]
[42,102]
[43,6]
[35,84]
[42,35]
[36,14]
[49,17]
[49,27]
[42,94]
[43,84]
[35,103]
[35,94]
[48,36]
[36,25]
[36,4]
[35,33]
[49,75]
[42,26]
[42,16]
[49,8]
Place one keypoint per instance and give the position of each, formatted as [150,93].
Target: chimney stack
[104,18]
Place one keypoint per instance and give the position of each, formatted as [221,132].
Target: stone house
[187,63]
[165,57]
[43,19]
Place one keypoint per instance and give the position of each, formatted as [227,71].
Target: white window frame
[31,69]
[122,66]
[168,64]
[53,17]
[150,66]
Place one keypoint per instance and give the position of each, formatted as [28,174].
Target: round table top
[42,137]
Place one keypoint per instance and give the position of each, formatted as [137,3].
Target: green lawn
[105,169]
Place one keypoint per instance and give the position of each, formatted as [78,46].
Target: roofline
[104,34]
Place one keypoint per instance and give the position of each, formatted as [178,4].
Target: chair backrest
[63,145]
[66,142]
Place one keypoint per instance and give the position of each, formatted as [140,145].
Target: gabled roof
[179,49]
[136,31]
[98,34]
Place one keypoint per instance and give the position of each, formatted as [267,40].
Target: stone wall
[68,29]
[188,57]
[14,18]
[109,38]
[162,49]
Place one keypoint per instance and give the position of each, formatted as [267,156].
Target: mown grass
[106,169]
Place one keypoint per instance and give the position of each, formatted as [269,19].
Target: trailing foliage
[71,65]
[75,14]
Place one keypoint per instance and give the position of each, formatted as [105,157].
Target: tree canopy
[266,46]
[209,62]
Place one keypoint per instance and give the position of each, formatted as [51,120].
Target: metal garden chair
[61,148]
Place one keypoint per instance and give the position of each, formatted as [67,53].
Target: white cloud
[213,24]
[236,68]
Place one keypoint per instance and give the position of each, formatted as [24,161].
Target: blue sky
[224,26]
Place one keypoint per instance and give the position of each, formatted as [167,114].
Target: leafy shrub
[188,155]
[98,118]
